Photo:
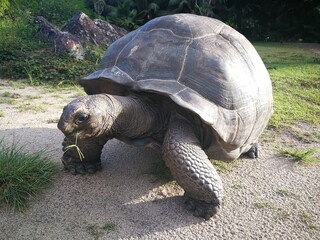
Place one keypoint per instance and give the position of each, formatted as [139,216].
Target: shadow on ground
[123,193]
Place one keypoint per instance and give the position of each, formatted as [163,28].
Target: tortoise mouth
[86,133]
[80,135]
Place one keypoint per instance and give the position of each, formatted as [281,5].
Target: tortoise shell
[202,65]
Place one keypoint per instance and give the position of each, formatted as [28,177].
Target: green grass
[295,75]
[8,101]
[23,175]
[160,171]
[264,204]
[223,167]
[300,156]
[109,227]
[316,135]
[283,192]
[279,213]
[309,220]
[5,94]
[30,97]
[286,193]
[23,107]
[96,231]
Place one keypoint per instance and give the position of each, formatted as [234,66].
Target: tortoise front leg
[192,170]
[91,150]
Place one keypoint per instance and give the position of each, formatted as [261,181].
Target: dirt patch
[267,198]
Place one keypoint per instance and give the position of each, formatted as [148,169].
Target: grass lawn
[295,75]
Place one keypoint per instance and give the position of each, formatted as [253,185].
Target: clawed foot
[80,167]
[201,208]
[80,157]
[254,151]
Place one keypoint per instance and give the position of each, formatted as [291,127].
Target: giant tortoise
[188,85]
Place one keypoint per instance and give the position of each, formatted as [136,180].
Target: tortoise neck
[136,117]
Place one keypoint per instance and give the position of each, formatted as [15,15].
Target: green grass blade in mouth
[80,154]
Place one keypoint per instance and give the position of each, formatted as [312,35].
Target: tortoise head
[86,117]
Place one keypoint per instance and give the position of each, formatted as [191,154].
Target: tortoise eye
[81,118]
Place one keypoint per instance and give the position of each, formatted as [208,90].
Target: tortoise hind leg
[254,151]
[192,169]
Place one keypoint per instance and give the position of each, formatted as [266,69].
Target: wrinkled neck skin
[134,117]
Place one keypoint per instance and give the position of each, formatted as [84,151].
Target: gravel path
[268,198]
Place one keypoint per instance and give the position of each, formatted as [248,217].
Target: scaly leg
[192,169]
[91,149]
[254,151]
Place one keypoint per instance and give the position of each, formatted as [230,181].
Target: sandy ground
[267,198]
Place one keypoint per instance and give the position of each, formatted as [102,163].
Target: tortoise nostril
[63,126]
